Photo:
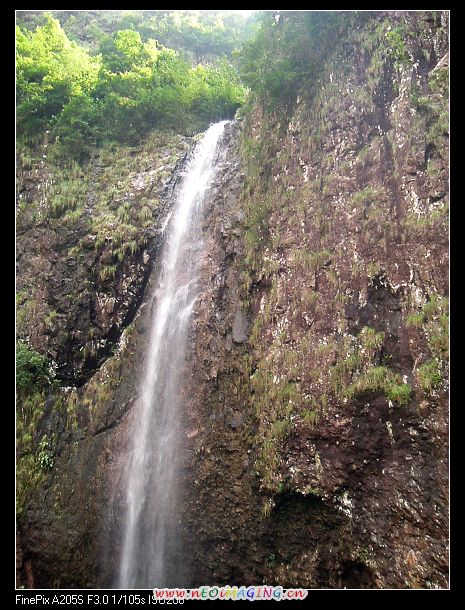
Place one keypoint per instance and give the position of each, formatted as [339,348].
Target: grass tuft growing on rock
[381,379]
[429,375]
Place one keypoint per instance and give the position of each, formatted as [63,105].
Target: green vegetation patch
[433,320]
[398,48]
[429,375]
[288,51]
[33,372]
[381,379]
[121,93]
[368,195]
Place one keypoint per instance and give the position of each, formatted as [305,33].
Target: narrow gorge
[232,348]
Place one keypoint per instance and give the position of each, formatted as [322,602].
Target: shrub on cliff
[32,370]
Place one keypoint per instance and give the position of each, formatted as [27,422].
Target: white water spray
[149,527]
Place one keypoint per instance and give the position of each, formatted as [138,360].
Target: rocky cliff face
[86,241]
[316,406]
[320,457]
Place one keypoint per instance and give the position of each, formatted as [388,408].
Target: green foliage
[400,393]
[32,370]
[201,35]
[106,272]
[433,319]
[342,371]
[374,269]
[398,49]
[381,379]
[45,455]
[438,129]
[423,103]
[29,410]
[371,340]
[358,372]
[439,81]
[67,192]
[281,429]
[51,70]
[357,358]
[367,196]
[288,51]
[429,375]
[313,261]
[129,88]
[34,457]
[415,320]
[124,51]
[438,336]
[310,418]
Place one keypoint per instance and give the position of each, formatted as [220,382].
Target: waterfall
[150,519]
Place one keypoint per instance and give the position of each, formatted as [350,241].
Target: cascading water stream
[149,526]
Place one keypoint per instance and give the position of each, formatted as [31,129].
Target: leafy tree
[200,35]
[78,127]
[50,71]
[130,87]
[123,51]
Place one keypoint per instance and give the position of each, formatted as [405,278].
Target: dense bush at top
[119,94]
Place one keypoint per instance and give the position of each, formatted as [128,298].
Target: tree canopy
[127,72]
[127,87]
[199,35]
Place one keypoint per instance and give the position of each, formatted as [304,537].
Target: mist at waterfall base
[150,549]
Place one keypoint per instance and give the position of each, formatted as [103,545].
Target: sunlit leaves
[130,87]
